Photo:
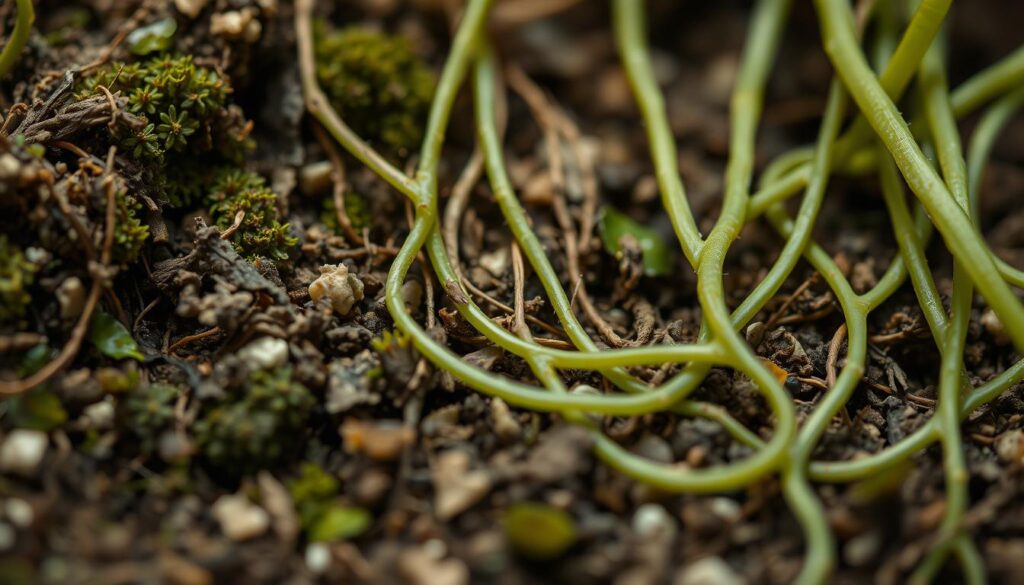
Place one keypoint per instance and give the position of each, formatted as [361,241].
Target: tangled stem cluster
[877,139]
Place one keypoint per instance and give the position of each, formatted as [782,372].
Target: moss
[149,411]
[16,276]
[377,84]
[260,233]
[130,233]
[187,112]
[258,425]
[357,208]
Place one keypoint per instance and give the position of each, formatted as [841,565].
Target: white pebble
[318,557]
[22,451]
[239,518]
[19,512]
[266,353]
[340,287]
[651,519]
[709,571]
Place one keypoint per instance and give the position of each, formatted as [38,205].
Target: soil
[436,465]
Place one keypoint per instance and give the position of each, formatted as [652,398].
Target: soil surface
[167,469]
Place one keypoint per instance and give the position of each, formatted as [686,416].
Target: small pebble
[505,425]
[71,298]
[315,178]
[265,353]
[709,571]
[1010,445]
[420,567]
[318,557]
[98,416]
[19,512]
[22,451]
[190,8]
[861,550]
[239,518]
[337,285]
[994,327]
[381,440]
[456,488]
[651,519]
[8,536]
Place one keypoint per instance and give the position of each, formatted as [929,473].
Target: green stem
[19,36]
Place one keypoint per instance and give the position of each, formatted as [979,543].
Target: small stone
[190,8]
[990,321]
[278,503]
[8,536]
[1010,446]
[315,178]
[340,287]
[71,298]
[861,550]
[709,571]
[175,570]
[651,519]
[239,518]
[456,489]
[10,166]
[505,425]
[371,487]
[318,558]
[19,512]
[380,440]
[266,353]
[725,508]
[420,567]
[98,416]
[755,333]
[22,451]
[237,24]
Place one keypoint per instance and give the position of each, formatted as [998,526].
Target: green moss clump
[149,411]
[357,208]
[377,84]
[187,112]
[16,275]
[258,425]
[261,233]
[129,233]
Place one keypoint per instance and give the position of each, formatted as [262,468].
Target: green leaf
[340,522]
[613,225]
[38,410]
[152,37]
[112,339]
[539,531]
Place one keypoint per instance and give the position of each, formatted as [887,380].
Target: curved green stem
[19,36]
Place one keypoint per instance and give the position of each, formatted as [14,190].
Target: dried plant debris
[510,292]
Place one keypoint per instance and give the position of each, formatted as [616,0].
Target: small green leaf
[657,256]
[112,339]
[539,531]
[152,37]
[38,410]
[340,522]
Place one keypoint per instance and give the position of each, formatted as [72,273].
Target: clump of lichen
[260,233]
[16,275]
[187,112]
[257,424]
[378,85]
